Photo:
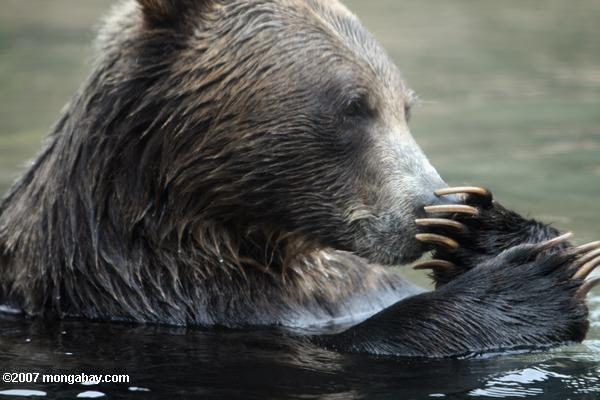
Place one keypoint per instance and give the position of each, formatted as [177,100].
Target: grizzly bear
[249,162]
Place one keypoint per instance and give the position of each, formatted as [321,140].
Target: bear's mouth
[390,257]
[391,246]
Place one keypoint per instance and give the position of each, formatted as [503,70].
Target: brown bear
[249,162]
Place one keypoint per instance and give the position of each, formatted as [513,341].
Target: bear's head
[276,115]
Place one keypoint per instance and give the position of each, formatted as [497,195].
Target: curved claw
[588,246]
[463,189]
[434,264]
[587,268]
[556,241]
[587,287]
[437,239]
[451,208]
[587,257]
[441,222]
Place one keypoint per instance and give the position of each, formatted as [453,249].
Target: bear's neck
[90,248]
[91,225]
[77,239]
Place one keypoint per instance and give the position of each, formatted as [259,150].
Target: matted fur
[166,194]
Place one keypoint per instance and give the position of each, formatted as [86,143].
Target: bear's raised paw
[469,234]
[530,296]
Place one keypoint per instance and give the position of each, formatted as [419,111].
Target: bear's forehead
[323,29]
[303,37]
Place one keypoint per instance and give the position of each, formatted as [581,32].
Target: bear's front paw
[468,234]
[462,235]
[539,291]
[529,296]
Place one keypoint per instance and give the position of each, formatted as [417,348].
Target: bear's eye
[356,108]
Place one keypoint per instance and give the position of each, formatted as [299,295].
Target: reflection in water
[546,376]
[22,393]
[167,362]
[517,383]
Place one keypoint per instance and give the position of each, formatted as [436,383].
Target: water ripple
[515,383]
[22,393]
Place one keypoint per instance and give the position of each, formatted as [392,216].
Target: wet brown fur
[133,211]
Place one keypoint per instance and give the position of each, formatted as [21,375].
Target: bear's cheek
[394,182]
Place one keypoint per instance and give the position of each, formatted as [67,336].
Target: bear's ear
[166,12]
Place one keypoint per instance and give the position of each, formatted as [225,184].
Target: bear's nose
[431,199]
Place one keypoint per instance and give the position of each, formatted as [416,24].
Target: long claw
[587,268]
[462,189]
[437,239]
[556,241]
[587,287]
[587,257]
[441,222]
[451,208]
[434,264]
[588,246]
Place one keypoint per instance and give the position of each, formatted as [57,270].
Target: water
[511,100]
[164,362]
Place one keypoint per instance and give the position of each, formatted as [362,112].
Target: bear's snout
[431,199]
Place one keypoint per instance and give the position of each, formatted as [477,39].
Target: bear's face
[287,114]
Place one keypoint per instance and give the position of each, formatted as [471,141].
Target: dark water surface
[165,363]
[511,100]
